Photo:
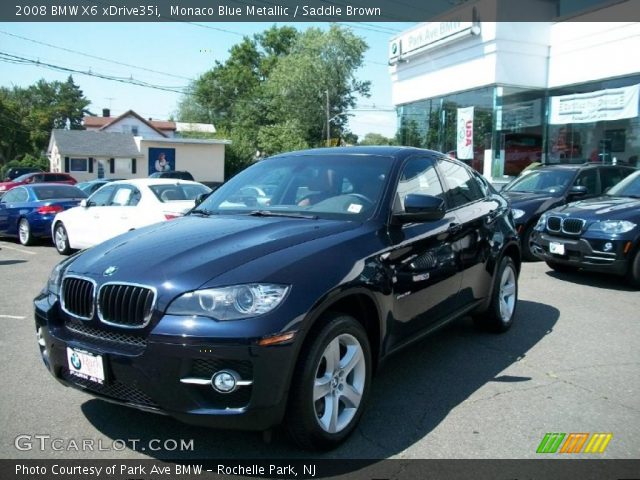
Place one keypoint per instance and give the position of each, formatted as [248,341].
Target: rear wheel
[560,267]
[24,232]
[61,239]
[330,385]
[499,316]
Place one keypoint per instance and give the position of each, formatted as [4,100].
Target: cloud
[384,123]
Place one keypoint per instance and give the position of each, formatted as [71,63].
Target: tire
[340,391]
[498,317]
[61,239]
[633,274]
[525,243]
[560,267]
[25,237]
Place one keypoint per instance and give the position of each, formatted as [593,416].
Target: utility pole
[328,120]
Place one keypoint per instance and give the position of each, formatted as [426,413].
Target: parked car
[37,177]
[26,211]
[92,185]
[600,235]
[242,317]
[122,206]
[180,174]
[545,187]
[15,172]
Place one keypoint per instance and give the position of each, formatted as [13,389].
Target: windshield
[542,181]
[629,187]
[314,186]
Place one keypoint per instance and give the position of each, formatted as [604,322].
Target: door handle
[454,228]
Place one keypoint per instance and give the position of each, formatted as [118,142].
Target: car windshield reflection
[304,187]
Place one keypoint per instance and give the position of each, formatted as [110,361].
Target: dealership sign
[465,133]
[602,105]
[427,36]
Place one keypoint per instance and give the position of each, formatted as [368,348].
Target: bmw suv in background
[245,314]
[599,235]
[546,187]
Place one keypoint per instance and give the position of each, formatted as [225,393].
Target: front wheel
[330,385]
[633,274]
[499,316]
[24,232]
[61,239]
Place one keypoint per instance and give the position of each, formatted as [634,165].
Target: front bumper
[145,372]
[587,253]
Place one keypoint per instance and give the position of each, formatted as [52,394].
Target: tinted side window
[461,188]
[418,176]
[610,176]
[102,196]
[589,179]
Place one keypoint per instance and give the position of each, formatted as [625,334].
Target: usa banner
[465,133]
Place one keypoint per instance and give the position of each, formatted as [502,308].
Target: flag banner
[465,134]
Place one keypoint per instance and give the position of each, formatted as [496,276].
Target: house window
[134,130]
[78,164]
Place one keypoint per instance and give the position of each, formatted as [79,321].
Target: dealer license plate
[85,365]
[556,248]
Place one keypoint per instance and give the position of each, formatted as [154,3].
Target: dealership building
[501,95]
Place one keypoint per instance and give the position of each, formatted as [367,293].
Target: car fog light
[608,247]
[224,381]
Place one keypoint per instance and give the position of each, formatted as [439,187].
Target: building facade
[503,95]
[129,146]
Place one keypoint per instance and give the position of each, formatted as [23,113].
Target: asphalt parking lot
[569,364]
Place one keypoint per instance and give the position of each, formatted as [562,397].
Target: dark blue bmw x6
[275,299]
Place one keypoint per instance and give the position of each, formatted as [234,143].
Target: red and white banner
[465,133]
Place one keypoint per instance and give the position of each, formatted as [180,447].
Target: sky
[170,55]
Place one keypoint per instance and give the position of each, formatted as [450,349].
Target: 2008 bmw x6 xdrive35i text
[277,306]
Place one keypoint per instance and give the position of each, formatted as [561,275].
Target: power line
[96,57]
[8,58]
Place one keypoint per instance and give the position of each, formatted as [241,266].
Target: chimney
[106,112]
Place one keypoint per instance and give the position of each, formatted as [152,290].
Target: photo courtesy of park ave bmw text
[382,239]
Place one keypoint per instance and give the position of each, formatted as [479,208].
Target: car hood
[603,208]
[532,203]
[185,253]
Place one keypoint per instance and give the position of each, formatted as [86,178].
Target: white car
[121,206]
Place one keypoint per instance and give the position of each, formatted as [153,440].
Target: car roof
[382,150]
[142,182]
[576,166]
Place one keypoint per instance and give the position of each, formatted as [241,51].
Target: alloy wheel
[339,383]
[507,294]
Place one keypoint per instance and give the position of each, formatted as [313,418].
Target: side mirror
[420,208]
[201,198]
[84,203]
[578,191]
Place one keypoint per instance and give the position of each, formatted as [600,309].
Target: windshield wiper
[203,212]
[269,213]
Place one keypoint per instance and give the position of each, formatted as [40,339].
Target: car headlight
[230,303]
[517,213]
[542,222]
[55,277]
[612,226]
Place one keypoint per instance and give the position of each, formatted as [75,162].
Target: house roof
[99,122]
[94,144]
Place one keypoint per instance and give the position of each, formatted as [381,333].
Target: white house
[129,146]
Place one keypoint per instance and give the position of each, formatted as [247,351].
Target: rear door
[475,212]
[121,214]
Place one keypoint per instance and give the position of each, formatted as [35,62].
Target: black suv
[248,311]
[541,189]
[179,174]
[16,172]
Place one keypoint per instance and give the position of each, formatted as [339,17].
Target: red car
[37,177]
